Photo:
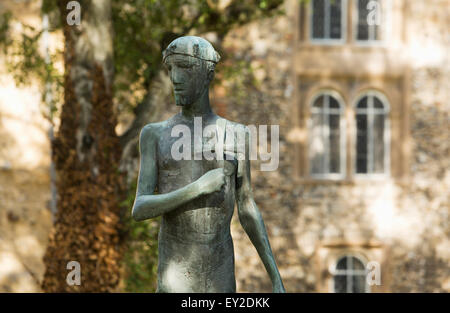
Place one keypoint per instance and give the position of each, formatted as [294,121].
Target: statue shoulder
[151,131]
[237,128]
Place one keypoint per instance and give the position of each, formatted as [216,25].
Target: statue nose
[175,77]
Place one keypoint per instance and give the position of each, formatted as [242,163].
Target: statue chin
[186,99]
[180,101]
[183,101]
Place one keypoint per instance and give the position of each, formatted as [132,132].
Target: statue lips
[177,87]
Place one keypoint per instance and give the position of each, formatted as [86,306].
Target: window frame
[348,272]
[329,41]
[342,136]
[386,135]
[382,28]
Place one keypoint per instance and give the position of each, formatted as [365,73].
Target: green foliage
[23,57]
[5,40]
[141,254]
[49,6]
[141,257]
[143,28]
[26,63]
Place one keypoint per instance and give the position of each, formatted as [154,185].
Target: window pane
[378,145]
[357,264]
[342,263]
[317,147]
[340,283]
[334,104]
[350,275]
[318,13]
[359,284]
[326,19]
[318,103]
[335,19]
[335,148]
[362,104]
[375,32]
[363,27]
[325,141]
[369,20]
[361,143]
[377,103]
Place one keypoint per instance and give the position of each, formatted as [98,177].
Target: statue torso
[195,245]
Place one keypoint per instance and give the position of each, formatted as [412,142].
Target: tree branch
[142,116]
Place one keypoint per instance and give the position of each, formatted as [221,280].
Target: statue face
[189,77]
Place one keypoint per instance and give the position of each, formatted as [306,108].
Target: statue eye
[185,65]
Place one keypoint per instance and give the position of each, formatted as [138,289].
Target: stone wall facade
[400,221]
[25,218]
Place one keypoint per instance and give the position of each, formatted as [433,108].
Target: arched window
[370,20]
[328,20]
[349,275]
[327,139]
[372,134]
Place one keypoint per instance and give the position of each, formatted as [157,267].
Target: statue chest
[208,214]
[184,157]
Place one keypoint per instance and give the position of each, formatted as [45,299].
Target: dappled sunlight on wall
[25,219]
[13,276]
[24,140]
[390,222]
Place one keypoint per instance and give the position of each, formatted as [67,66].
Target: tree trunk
[86,153]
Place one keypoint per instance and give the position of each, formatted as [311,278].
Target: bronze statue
[196,195]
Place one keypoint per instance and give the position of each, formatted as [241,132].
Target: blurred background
[359,88]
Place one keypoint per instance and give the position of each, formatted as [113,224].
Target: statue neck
[201,107]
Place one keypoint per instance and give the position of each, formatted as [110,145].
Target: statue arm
[252,222]
[148,205]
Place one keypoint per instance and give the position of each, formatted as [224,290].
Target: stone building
[359,89]
[25,218]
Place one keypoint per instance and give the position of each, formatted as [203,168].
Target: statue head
[191,62]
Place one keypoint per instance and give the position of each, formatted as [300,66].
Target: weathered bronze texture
[196,196]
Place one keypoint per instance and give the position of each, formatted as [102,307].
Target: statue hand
[211,181]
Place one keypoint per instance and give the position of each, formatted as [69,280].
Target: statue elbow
[136,212]
[142,210]
[135,215]
[246,217]
[248,213]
